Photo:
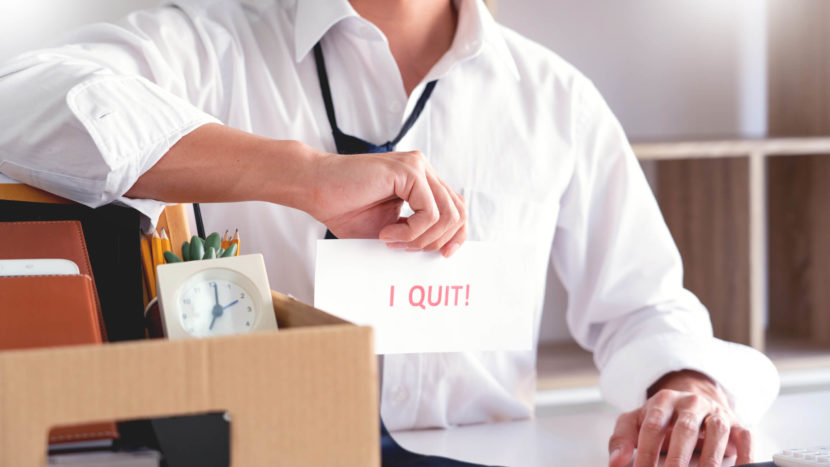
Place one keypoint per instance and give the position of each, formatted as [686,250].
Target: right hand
[360,196]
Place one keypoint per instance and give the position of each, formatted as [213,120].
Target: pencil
[165,245]
[226,241]
[147,263]
[236,240]
[158,252]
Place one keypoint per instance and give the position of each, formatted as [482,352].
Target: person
[221,102]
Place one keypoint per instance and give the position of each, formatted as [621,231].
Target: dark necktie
[392,453]
[348,144]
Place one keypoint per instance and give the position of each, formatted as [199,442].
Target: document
[418,302]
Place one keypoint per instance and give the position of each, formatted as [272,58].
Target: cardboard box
[306,395]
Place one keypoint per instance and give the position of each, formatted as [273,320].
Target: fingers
[455,234]
[655,420]
[449,220]
[742,439]
[690,411]
[439,219]
[681,422]
[455,242]
[624,440]
[716,427]
[414,188]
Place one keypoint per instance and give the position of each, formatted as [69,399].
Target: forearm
[216,163]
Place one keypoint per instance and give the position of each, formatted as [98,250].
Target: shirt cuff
[133,123]
[747,376]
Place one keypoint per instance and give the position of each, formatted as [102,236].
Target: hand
[356,196]
[686,412]
[360,196]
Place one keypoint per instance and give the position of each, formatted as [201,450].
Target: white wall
[669,69]
[29,24]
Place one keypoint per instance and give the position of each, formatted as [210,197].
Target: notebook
[54,310]
[45,311]
[50,239]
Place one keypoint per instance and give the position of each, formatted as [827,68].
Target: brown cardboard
[303,396]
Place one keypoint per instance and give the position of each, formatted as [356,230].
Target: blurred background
[727,103]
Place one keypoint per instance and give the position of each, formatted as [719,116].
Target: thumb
[624,440]
[416,191]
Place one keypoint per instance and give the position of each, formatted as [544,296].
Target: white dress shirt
[524,136]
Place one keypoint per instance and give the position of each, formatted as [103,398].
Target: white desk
[578,436]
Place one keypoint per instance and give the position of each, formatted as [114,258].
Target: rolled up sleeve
[626,302]
[86,120]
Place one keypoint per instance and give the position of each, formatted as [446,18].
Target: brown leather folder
[49,239]
[46,311]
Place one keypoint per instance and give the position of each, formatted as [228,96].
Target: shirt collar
[313,18]
[477,32]
[477,35]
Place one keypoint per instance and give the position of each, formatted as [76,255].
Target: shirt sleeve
[623,274]
[86,120]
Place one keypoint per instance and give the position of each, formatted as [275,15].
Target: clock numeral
[184,316]
[197,290]
[242,295]
[186,301]
[250,309]
[248,323]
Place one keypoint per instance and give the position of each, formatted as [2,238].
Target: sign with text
[423,302]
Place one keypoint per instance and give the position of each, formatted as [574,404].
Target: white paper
[421,302]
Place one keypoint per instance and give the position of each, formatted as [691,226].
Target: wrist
[294,182]
[690,381]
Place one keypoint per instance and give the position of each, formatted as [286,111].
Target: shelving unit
[720,209]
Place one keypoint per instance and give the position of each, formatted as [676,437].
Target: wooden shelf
[565,365]
[796,354]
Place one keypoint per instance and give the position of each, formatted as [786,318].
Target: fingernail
[452,249]
[614,454]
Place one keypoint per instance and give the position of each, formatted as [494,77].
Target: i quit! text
[435,296]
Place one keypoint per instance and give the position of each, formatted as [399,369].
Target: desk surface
[579,435]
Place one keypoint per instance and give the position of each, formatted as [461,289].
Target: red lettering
[456,288]
[420,302]
[429,296]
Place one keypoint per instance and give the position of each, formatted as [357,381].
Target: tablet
[37,267]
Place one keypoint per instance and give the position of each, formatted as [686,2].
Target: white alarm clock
[215,297]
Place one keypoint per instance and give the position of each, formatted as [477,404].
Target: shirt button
[401,395]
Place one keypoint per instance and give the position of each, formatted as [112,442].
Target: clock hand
[217,312]
[230,304]
[216,293]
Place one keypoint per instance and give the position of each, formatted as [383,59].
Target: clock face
[217,302]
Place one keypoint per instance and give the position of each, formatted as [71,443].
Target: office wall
[34,23]
[678,69]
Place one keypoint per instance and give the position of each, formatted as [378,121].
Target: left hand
[687,411]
